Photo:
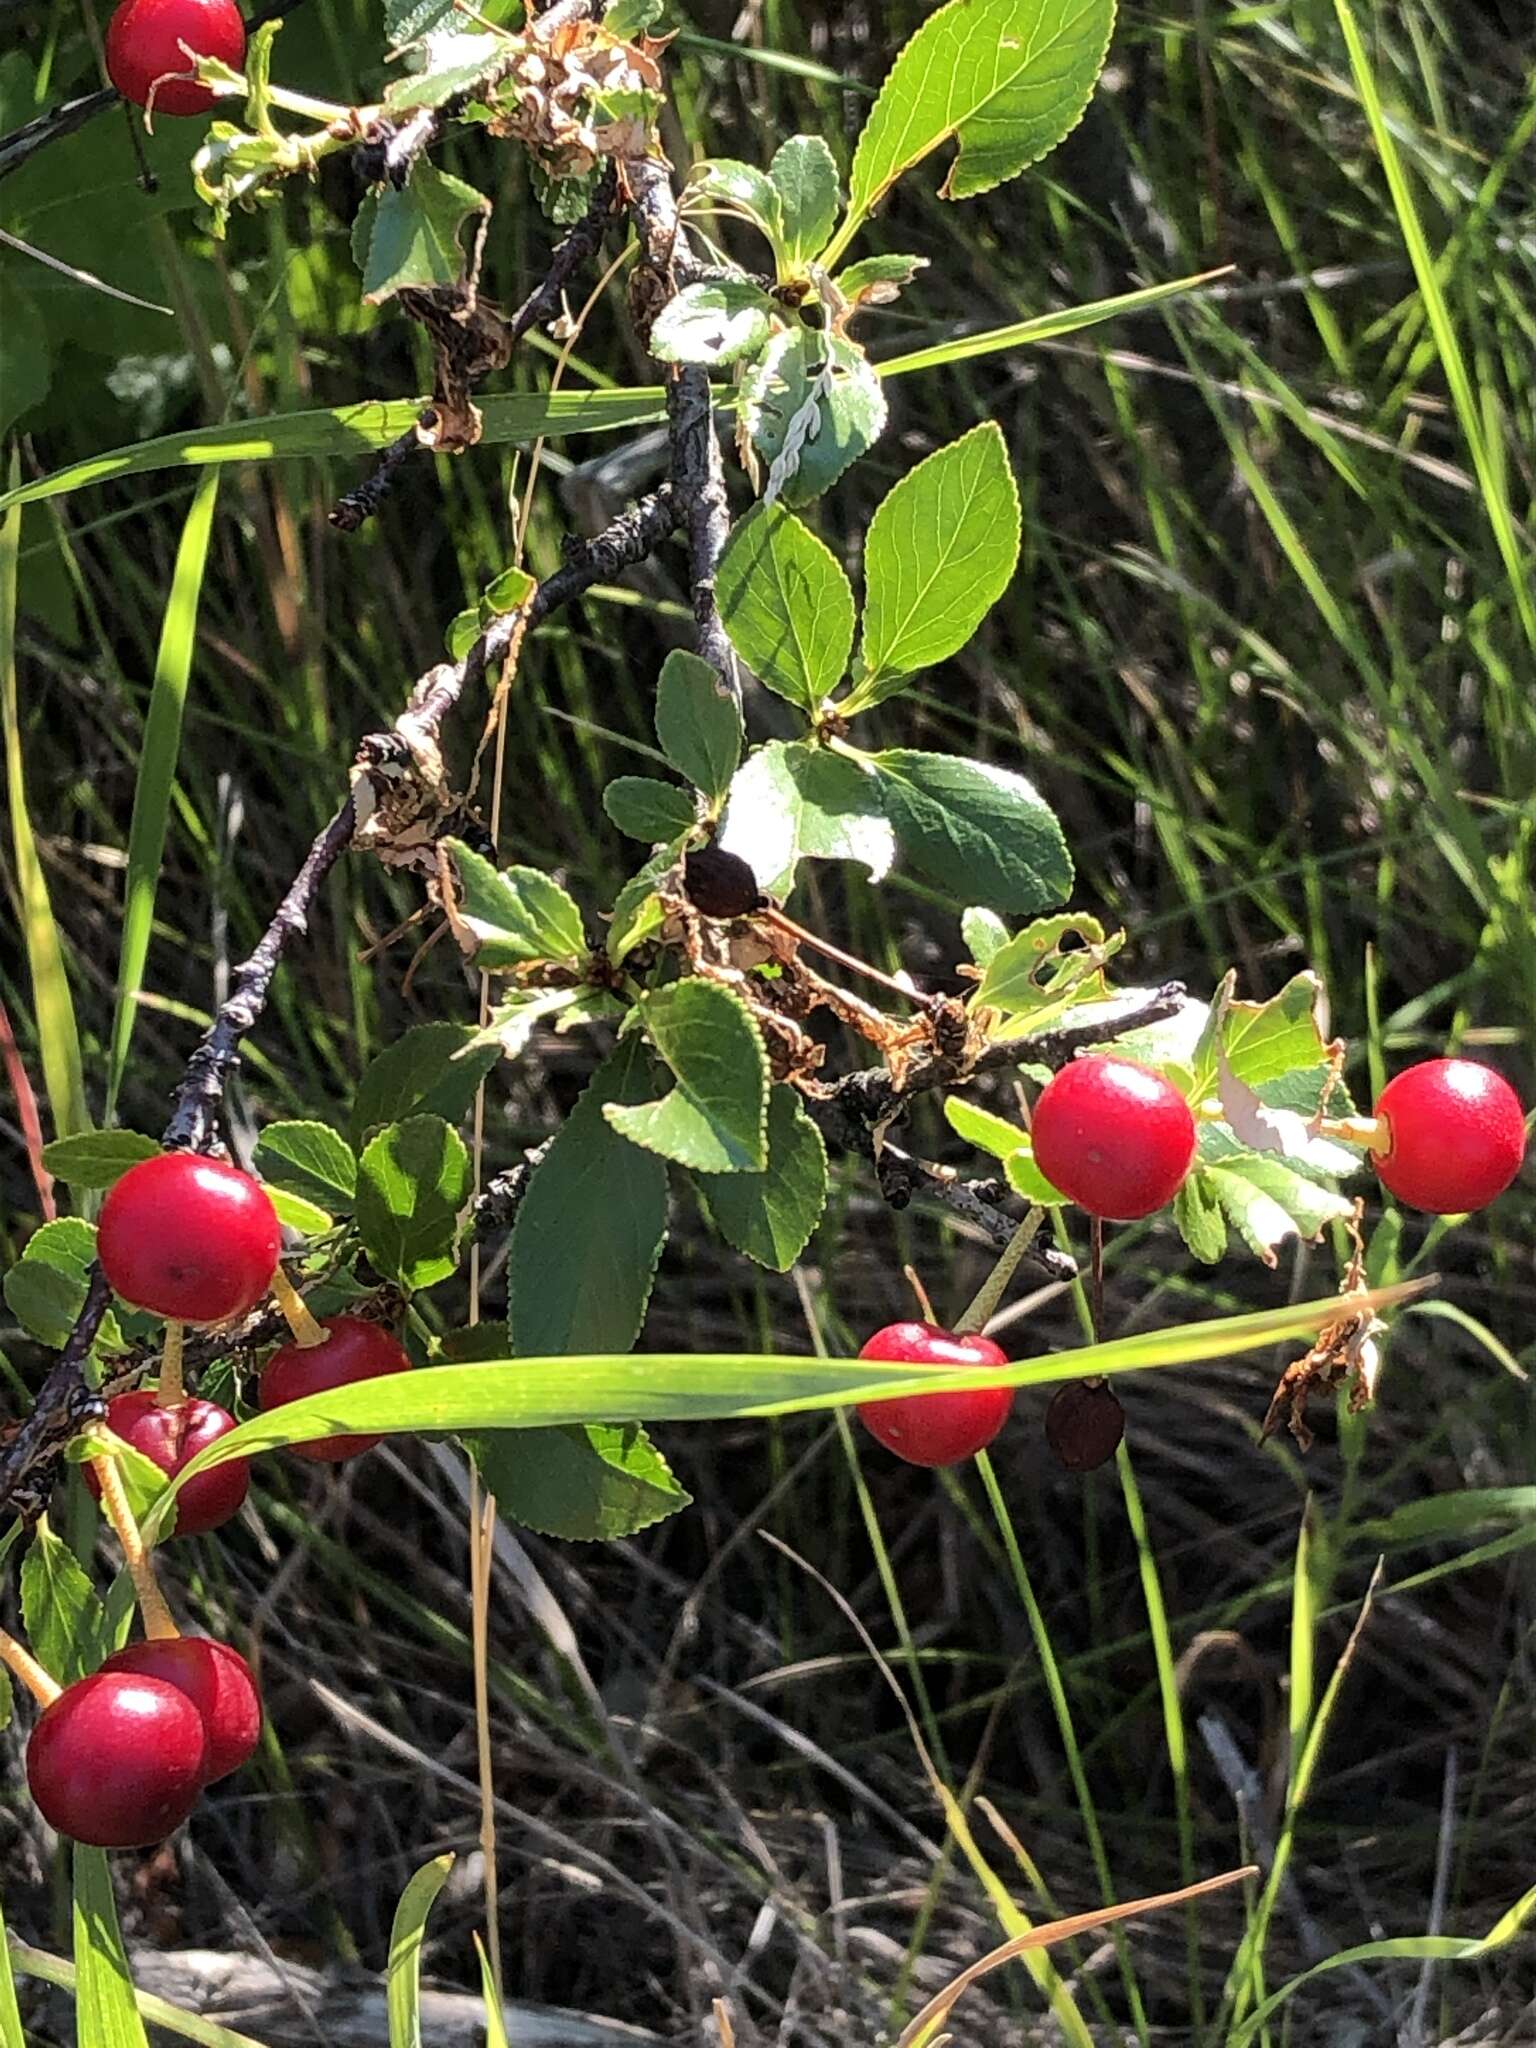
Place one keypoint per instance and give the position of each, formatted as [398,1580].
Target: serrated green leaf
[786,605]
[403,1978]
[715,1118]
[698,723]
[1266,1201]
[1026,1179]
[718,321]
[517,915]
[408,21]
[984,933]
[792,801]
[1262,1041]
[409,237]
[457,65]
[847,409]
[1034,977]
[59,1608]
[1006,78]
[804,174]
[413,1182]
[431,1069]
[45,1289]
[770,1215]
[509,591]
[106,2011]
[308,1159]
[95,1159]
[744,187]
[1201,1222]
[648,810]
[590,1228]
[941,549]
[590,1484]
[981,832]
[297,1212]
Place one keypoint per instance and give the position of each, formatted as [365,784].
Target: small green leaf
[770,1215]
[627,19]
[464,629]
[409,21]
[698,723]
[804,175]
[589,1484]
[637,911]
[1201,1223]
[980,832]
[45,1289]
[878,280]
[59,1608]
[410,236]
[403,1980]
[1007,1142]
[1266,1202]
[1026,1179]
[95,1159]
[590,1228]
[509,591]
[512,1023]
[1007,78]
[786,605]
[648,810]
[427,1071]
[984,933]
[413,1182]
[941,549]
[793,802]
[1263,1041]
[106,2011]
[715,1119]
[517,915]
[716,322]
[457,65]
[297,1212]
[308,1159]
[743,187]
[826,389]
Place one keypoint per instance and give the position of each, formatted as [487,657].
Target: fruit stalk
[990,1293]
[171,1390]
[22,1665]
[307,1333]
[158,1624]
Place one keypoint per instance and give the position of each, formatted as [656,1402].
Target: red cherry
[1115,1137]
[218,1682]
[189,1238]
[353,1351]
[935,1429]
[118,1760]
[1457,1132]
[144,39]
[171,1438]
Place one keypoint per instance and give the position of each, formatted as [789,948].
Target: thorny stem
[158,1625]
[21,1664]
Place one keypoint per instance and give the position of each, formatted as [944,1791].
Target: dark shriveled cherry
[1084,1425]
[936,1429]
[720,884]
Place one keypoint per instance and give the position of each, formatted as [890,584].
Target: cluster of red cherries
[120,1758]
[153,46]
[1119,1140]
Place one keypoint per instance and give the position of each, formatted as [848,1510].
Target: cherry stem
[1374,1133]
[158,1625]
[1096,1253]
[924,1305]
[774,916]
[172,1388]
[24,1666]
[990,1293]
[307,1333]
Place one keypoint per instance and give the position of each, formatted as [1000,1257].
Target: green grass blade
[11,2035]
[157,771]
[53,1006]
[106,2011]
[159,2012]
[405,1938]
[495,2023]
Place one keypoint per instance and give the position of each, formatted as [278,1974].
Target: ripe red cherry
[353,1351]
[1457,1132]
[935,1429]
[144,39]
[118,1760]
[171,1438]
[1115,1137]
[188,1238]
[218,1682]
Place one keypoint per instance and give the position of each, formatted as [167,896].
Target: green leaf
[25,365]
[941,549]
[715,322]
[743,187]
[770,1215]
[984,933]
[308,1159]
[1007,78]
[589,1230]
[588,1484]
[95,1159]
[878,280]
[715,1119]
[980,832]
[45,1289]
[824,388]
[509,591]
[794,801]
[59,1608]
[1266,1201]
[637,911]
[11,2035]
[1026,1179]
[495,2018]
[408,21]
[1007,1142]
[1035,978]
[431,1069]
[628,19]
[403,1979]
[786,605]
[1201,1221]
[297,1212]
[106,2011]
[512,1023]
[1263,1041]
[517,915]
[457,65]
[461,633]
[413,1182]
[698,723]
[410,236]
[648,810]
[804,174]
